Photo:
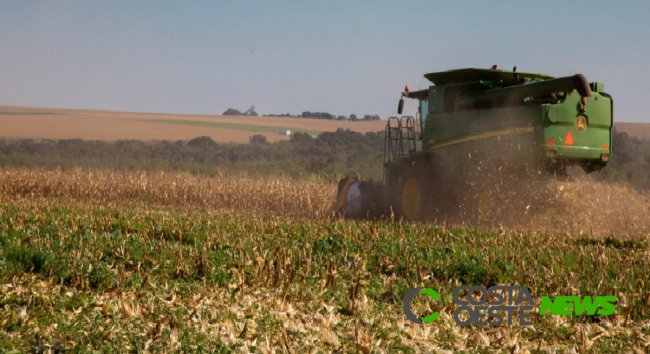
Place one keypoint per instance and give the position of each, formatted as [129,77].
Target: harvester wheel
[420,191]
[407,198]
[411,199]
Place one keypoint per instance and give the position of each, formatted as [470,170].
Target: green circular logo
[407,302]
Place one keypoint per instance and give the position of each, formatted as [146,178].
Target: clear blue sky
[288,56]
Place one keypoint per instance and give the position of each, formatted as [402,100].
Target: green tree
[257,139]
[232,112]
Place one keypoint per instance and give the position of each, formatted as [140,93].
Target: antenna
[422,77]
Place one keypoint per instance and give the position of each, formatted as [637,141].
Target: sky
[290,56]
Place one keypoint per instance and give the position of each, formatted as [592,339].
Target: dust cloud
[594,208]
[574,206]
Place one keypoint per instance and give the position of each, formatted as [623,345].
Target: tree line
[305,114]
[331,153]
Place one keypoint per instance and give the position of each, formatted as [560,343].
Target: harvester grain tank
[478,132]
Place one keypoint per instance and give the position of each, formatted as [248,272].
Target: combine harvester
[480,141]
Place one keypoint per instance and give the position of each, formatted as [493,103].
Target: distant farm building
[285,132]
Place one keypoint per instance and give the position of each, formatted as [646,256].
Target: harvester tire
[411,198]
[420,191]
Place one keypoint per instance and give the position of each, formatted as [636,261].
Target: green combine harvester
[480,140]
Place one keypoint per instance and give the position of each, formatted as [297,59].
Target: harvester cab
[478,131]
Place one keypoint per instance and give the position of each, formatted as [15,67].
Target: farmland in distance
[53,123]
[49,123]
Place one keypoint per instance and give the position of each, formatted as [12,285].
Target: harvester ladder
[409,130]
[401,138]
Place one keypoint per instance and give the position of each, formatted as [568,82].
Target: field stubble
[169,261]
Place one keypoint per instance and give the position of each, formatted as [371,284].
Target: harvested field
[41,123]
[638,130]
[94,260]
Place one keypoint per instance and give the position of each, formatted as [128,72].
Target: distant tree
[301,137]
[278,115]
[353,117]
[257,139]
[319,115]
[202,141]
[371,117]
[232,112]
[341,118]
[251,112]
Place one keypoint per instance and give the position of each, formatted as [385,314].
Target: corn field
[270,196]
[169,262]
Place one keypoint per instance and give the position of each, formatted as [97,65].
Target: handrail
[400,138]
